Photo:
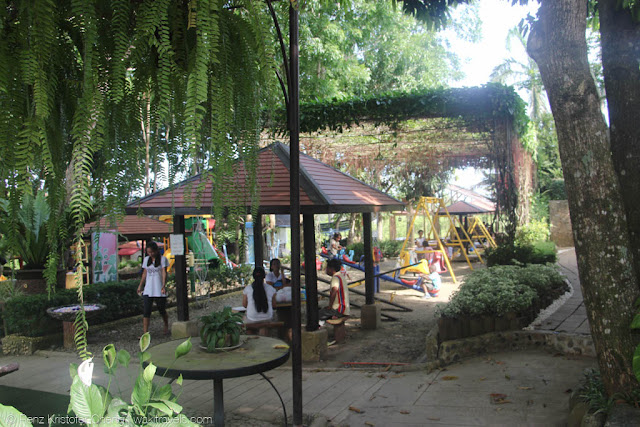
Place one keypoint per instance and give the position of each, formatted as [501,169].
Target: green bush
[358,250]
[227,277]
[390,248]
[534,231]
[510,254]
[502,289]
[27,314]
[555,190]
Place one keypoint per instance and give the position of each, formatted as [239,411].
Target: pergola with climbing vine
[437,129]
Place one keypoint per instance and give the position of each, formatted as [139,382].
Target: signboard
[177,244]
[104,248]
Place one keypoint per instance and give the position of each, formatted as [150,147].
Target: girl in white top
[276,277]
[259,298]
[154,278]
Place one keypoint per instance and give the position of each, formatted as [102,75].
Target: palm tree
[523,74]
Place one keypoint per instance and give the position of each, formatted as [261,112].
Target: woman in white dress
[154,279]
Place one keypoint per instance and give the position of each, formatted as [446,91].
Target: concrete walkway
[516,388]
[571,317]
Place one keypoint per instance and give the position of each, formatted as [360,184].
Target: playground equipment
[415,284]
[479,233]
[200,241]
[433,209]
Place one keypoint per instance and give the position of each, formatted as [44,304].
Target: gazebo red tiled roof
[323,189]
[132,227]
[466,208]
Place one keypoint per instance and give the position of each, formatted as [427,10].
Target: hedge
[26,314]
[510,254]
[503,289]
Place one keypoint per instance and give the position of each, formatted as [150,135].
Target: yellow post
[422,206]
[438,203]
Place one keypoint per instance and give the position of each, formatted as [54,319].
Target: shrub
[510,254]
[502,289]
[26,314]
[390,248]
[358,250]
[534,231]
[227,277]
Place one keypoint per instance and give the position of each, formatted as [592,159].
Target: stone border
[452,351]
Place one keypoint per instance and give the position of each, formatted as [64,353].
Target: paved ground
[572,316]
[517,388]
[535,386]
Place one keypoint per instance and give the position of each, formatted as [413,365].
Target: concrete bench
[339,328]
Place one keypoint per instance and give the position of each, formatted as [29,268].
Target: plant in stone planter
[221,329]
[151,403]
[32,220]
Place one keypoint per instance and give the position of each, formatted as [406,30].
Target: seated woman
[276,277]
[259,298]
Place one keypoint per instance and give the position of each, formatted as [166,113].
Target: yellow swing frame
[431,207]
[457,224]
[478,231]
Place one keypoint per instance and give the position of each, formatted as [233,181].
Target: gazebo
[463,208]
[323,189]
[131,227]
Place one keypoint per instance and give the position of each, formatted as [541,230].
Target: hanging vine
[77,79]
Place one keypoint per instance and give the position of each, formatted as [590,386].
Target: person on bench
[275,276]
[339,296]
[259,298]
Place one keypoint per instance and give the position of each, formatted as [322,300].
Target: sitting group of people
[259,298]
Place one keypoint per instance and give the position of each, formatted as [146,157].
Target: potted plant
[32,246]
[220,330]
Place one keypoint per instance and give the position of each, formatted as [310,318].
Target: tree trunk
[351,238]
[393,234]
[620,38]
[557,43]
[379,228]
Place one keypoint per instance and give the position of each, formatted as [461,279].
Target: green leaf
[109,355]
[145,340]
[636,304]
[635,323]
[183,348]
[10,417]
[124,357]
[141,393]
[73,370]
[116,406]
[636,363]
[86,402]
[162,393]
[179,380]
[149,372]
[161,407]
[173,405]
[144,356]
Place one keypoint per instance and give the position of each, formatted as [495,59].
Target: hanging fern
[77,77]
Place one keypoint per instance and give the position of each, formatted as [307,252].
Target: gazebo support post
[183,327]
[294,191]
[370,312]
[257,240]
[310,276]
[180,267]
